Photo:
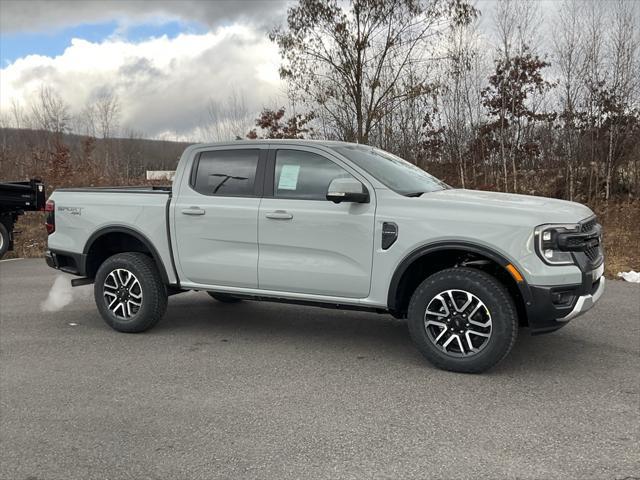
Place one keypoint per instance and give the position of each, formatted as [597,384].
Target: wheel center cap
[458,322]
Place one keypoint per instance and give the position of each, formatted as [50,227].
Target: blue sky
[53,43]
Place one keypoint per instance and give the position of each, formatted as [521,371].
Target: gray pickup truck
[336,225]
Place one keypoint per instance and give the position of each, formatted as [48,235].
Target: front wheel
[463,320]
[129,292]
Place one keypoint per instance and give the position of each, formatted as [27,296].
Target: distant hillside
[25,153]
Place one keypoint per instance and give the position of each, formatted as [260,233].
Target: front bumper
[552,307]
[585,302]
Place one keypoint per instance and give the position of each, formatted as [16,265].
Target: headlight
[546,241]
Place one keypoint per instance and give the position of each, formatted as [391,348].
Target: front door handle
[279,215]
[193,211]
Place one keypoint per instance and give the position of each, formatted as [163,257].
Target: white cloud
[163,83]
[47,15]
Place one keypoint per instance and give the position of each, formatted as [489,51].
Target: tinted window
[304,175]
[394,172]
[229,172]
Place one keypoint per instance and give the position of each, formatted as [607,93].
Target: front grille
[592,253]
[588,226]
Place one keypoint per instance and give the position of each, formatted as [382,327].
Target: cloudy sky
[163,59]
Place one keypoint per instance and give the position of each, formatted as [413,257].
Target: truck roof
[288,141]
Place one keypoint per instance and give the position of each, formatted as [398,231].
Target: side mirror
[347,190]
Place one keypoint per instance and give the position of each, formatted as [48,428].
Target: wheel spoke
[135,303]
[118,307]
[455,337]
[440,325]
[112,277]
[438,314]
[467,303]
[453,300]
[441,334]
[443,304]
[479,334]
[449,340]
[469,342]
[480,324]
[475,309]
[119,274]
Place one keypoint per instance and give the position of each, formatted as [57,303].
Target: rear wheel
[463,320]
[129,292]
[4,239]
[224,298]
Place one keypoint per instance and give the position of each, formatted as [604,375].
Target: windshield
[399,175]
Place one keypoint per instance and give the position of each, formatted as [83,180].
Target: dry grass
[30,236]
[621,222]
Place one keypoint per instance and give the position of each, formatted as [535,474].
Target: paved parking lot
[259,390]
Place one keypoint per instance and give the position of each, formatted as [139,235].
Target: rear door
[307,243]
[216,217]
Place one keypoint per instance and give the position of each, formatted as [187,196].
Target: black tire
[498,301]
[4,239]
[153,291]
[224,297]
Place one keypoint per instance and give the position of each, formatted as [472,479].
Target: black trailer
[15,199]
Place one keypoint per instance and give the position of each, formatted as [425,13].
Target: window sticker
[288,177]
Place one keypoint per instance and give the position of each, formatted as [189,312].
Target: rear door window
[227,173]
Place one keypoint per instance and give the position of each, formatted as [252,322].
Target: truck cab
[337,225]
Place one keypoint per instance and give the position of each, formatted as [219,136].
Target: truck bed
[84,214]
[22,196]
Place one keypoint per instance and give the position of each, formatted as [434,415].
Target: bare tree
[569,50]
[106,113]
[349,62]
[85,121]
[517,25]
[49,111]
[227,119]
[18,114]
[624,48]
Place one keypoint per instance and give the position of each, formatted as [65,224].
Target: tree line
[505,99]
[544,106]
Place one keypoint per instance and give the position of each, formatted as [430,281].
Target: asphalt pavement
[271,391]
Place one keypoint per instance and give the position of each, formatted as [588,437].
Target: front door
[216,218]
[307,243]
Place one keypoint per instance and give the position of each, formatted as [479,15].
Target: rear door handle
[279,215]
[193,211]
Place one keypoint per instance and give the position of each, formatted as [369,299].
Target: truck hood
[529,209]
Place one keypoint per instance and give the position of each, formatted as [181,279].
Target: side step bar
[77,282]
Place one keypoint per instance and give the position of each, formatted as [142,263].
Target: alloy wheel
[458,323]
[122,293]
